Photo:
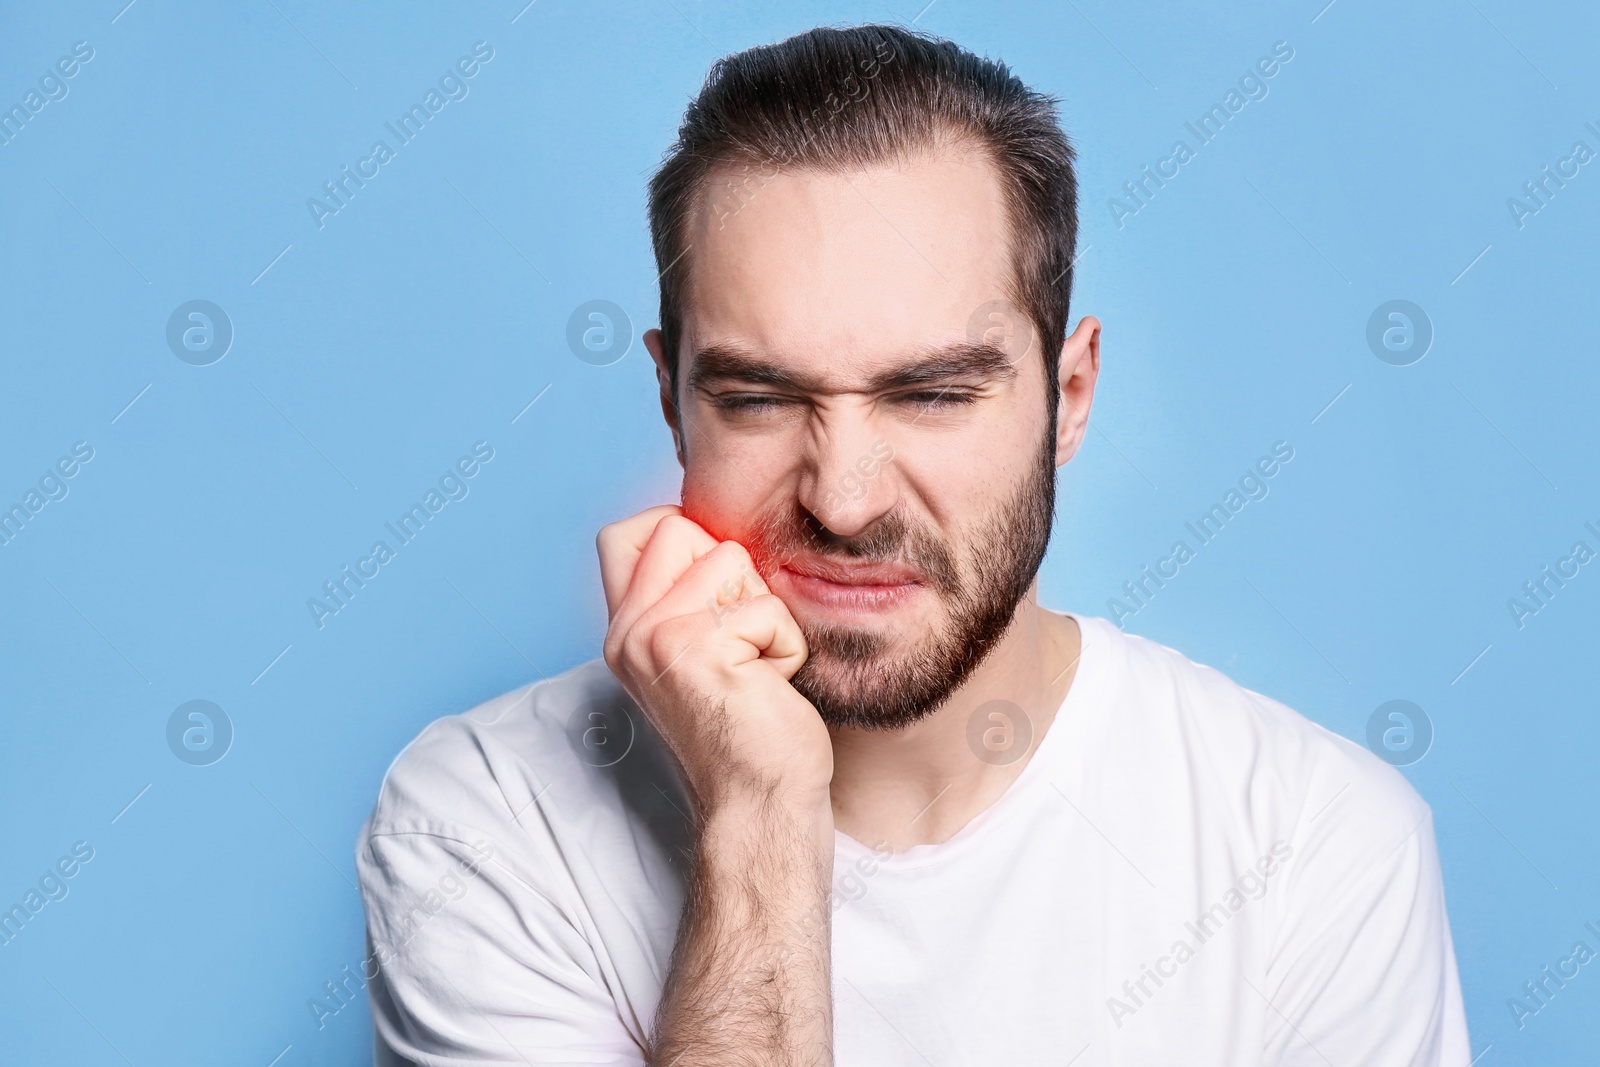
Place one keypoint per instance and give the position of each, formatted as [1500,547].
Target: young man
[843,791]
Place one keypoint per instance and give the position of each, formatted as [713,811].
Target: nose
[852,482]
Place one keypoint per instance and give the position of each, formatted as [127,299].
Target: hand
[706,651]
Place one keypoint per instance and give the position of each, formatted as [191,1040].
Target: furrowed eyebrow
[728,363]
[941,366]
[965,360]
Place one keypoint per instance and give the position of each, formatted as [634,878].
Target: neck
[921,784]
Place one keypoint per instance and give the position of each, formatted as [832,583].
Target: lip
[854,574]
[849,588]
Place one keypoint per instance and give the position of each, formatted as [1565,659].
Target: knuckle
[735,553]
[673,526]
[666,643]
[761,607]
[772,605]
[634,648]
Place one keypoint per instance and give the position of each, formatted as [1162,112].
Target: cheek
[963,479]
[726,496]
[732,478]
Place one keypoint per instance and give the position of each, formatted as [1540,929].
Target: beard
[864,679]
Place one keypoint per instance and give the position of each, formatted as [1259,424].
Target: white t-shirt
[1185,872]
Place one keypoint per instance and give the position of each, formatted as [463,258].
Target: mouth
[843,588]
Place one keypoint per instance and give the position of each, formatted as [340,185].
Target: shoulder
[559,797]
[478,767]
[1274,763]
[1257,802]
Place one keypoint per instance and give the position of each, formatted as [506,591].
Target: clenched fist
[706,651]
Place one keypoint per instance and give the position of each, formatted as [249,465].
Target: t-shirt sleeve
[476,964]
[1363,969]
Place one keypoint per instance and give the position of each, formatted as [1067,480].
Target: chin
[872,678]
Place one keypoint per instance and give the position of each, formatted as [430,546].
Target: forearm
[749,982]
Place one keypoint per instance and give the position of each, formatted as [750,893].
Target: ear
[1079,369]
[669,405]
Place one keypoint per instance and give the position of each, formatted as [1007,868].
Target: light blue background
[429,312]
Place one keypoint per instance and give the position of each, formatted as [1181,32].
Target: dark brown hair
[836,99]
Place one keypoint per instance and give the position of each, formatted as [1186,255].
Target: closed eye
[750,403]
[946,398]
[936,399]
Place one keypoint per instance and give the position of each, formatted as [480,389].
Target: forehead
[848,270]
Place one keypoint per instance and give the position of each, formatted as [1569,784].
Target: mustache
[786,533]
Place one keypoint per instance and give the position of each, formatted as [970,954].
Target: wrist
[743,823]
